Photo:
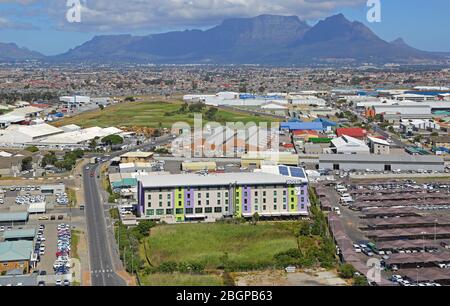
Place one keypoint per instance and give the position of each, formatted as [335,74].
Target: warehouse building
[22,134]
[381,162]
[349,145]
[212,197]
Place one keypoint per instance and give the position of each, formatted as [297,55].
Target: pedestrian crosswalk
[102,271]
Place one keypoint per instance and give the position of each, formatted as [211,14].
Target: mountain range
[265,39]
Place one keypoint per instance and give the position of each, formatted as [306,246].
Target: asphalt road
[101,262]
[101,257]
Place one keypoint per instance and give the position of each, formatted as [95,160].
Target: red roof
[352,132]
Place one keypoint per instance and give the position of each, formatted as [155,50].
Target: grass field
[178,279]
[207,243]
[151,115]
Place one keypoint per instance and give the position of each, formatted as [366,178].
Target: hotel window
[188,195]
[169,211]
[284,192]
[256,201]
[292,206]
[245,201]
[179,203]
[207,202]
[302,199]
[292,199]
[275,207]
[245,207]
[226,202]
[302,192]
[160,196]
[160,204]
[169,195]
[256,193]
[274,193]
[226,194]
[264,200]
[275,200]
[245,193]
[208,210]
[189,210]
[292,192]
[199,210]
[264,207]
[284,206]
[284,200]
[199,195]
[149,197]
[256,207]
[217,209]
[303,206]
[219,195]
[199,203]
[179,211]
[150,212]
[159,212]
[218,202]
[226,208]
[264,193]
[179,196]
[169,203]
[207,195]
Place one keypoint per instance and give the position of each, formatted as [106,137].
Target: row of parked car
[62,262]
[29,199]
[39,247]
[24,188]
[62,199]
[404,282]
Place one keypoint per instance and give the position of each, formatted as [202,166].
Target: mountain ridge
[264,39]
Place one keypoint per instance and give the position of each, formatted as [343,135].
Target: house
[349,145]
[378,146]
[441,142]
[15,255]
[132,157]
[296,126]
[352,132]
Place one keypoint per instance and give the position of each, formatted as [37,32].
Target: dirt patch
[281,278]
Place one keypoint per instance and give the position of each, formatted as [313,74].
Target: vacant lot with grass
[151,115]
[212,244]
[179,279]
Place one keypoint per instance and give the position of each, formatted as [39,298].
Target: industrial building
[213,197]
[22,134]
[131,157]
[349,145]
[381,162]
[15,255]
[378,146]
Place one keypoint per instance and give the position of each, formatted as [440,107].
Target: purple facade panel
[189,198]
[246,200]
[303,199]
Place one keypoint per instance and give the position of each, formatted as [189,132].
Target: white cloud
[122,15]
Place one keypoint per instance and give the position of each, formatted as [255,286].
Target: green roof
[15,250]
[320,140]
[18,234]
[127,182]
[13,216]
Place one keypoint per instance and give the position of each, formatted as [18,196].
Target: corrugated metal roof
[13,216]
[15,250]
[23,233]
[370,158]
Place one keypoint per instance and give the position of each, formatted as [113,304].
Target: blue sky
[41,25]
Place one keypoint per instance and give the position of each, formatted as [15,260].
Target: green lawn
[150,114]
[207,243]
[178,279]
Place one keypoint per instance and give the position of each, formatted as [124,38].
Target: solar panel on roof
[297,172]
[283,170]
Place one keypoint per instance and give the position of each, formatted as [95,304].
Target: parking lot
[403,224]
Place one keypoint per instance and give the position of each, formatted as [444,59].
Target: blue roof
[295,126]
[325,122]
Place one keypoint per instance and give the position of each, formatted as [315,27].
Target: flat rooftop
[182,180]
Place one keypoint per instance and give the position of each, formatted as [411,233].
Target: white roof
[5,154]
[347,141]
[34,131]
[80,136]
[70,128]
[35,208]
[225,179]
[379,141]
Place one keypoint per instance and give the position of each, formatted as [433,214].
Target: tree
[112,140]
[211,113]
[27,163]
[255,218]
[93,144]
[304,228]
[32,149]
[346,271]
[130,99]
[360,281]
[144,227]
[49,159]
